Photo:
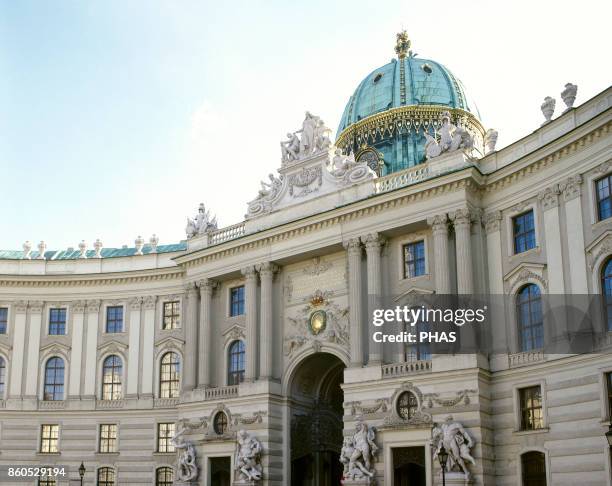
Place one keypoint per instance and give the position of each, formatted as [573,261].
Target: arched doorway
[409,466]
[315,399]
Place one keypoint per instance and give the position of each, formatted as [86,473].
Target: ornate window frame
[9,314]
[164,300]
[226,358]
[519,462]
[126,321]
[419,418]
[7,374]
[516,400]
[99,424]
[406,240]
[110,349]
[513,212]
[171,347]
[46,353]
[46,318]
[603,170]
[40,437]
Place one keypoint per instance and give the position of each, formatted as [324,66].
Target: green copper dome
[408,81]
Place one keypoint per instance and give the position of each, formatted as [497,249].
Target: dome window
[378,77]
[426,68]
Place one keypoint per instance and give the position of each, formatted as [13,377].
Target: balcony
[525,358]
[407,368]
[221,392]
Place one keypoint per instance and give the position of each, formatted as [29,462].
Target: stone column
[500,337]
[575,235]
[250,274]
[266,332]
[191,337]
[33,366]
[135,306]
[19,340]
[91,348]
[549,199]
[76,353]
[439,228]
[463,243]
[148,346]
[373,244]
[353,248]
[207,287]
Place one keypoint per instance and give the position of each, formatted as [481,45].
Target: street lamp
[443,457]
[82,472]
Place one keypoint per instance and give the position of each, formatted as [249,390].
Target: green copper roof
[72,254]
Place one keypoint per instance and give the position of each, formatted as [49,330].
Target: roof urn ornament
[27,250]
[98,248]
[42,246]
[83,249]
[548,109]
[139,244]
[153,241]
[402,45]
[490,140]
[568,95]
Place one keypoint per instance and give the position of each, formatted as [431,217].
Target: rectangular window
[57,321]
[171,315]
[165,432]
[604,198]
[114,319]
[532,417]
[524,232]
[237,301]
[609,393]
[414,259]
[49,439]
[3,319]
[108,438]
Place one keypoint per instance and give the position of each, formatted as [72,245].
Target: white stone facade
[346,245]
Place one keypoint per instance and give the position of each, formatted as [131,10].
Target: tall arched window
[2,376]
[106,476]
[169,376]
[235,364]
[54,379]
[606,290]
[533,467]
[529,317]
[112,370]
[164,476]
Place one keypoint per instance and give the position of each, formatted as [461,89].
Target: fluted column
[373,244]
[207,287]
[191,337]
[266,331]
[463,244]
[353,248]
[439,228]
[250,274]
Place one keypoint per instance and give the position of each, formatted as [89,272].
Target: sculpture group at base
[358,453]
[186,468]
[248,459]
[457,443]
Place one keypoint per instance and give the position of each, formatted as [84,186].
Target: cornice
[91,280]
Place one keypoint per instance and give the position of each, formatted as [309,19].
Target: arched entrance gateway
[315,403]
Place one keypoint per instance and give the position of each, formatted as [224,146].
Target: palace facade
[114,358]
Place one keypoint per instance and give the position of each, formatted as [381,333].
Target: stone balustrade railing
[221,392]
[401,179]
[407,368]
[105,404]
[524,358]
[166,402]
[51,404]
[226,234]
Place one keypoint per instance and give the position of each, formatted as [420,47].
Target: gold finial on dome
[402,45]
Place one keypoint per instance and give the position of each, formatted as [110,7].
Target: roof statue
[202,223]
[452,138]
[402,46]
[314,139]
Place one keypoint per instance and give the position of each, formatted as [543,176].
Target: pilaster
[373,243]
[439,228]
[148,345]
[549,200]
[135,306]
[465,275]
[77,309]
[32,368]
[19,340]
[191,337]
[207,288]
[266,340]
[250,274]
[354,251]
[91,348]
[572,188]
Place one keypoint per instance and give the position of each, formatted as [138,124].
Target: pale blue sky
[118,118]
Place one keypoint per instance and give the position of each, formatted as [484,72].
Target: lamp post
[82,472]
[443,457]
[609,438]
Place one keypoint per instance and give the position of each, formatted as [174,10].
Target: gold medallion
[318,321]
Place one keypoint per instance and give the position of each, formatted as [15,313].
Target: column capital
[438,223]
[21,306]
[267,268]
[149,302]
[78,307]
[93,305]
[207,286]
[492,221]
[250,272]
[571,187]
[191,289]
[461,217]
[135,303]
[373,241]
[549,197]
[353,246]
[36,305]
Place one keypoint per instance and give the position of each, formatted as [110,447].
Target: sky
[118,118]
